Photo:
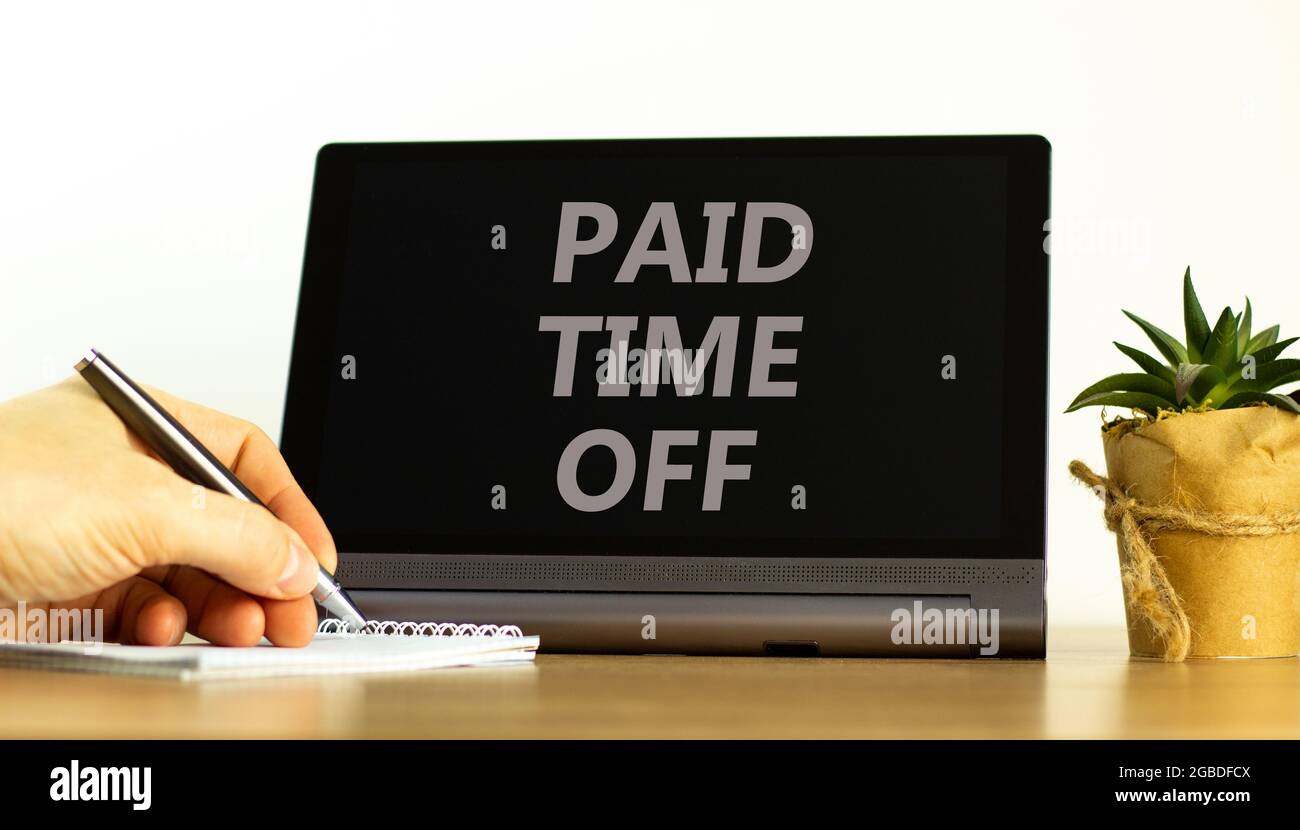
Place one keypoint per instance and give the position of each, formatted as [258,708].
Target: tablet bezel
[1024,427]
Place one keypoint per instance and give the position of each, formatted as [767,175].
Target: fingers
[158,607]
[137,611]
[234,540]
[290,622]
[215,611]
[224,616]
[293,508]
[255,460]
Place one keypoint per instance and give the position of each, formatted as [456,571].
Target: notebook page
[326,654]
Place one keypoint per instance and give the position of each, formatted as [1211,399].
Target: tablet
[632,368]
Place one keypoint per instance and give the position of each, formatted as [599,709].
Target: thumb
[239,542]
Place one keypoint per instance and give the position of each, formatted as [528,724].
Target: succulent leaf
[1243,330]
[1173,351]
[1150,404]
[1221,348]
[1147,363]
[1243,398]
[1271,375]
[1129,382]
[1211,385]
[1278,372]
[1268,353]
[1197,379]
[1198,328]
[1267,337]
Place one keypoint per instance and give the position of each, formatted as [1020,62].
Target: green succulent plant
[1223,367]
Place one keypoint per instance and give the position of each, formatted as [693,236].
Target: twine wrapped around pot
[1147,588]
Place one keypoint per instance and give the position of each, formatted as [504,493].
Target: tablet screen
[677,354]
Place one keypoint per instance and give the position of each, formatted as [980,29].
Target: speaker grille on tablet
[402,571]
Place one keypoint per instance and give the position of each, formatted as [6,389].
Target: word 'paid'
[661,218]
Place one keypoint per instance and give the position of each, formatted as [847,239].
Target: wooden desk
[1087,688]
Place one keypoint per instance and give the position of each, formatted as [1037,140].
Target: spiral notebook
[336,649]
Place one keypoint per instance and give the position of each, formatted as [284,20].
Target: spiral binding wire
[389,628]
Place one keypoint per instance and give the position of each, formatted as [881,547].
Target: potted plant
[1203,488]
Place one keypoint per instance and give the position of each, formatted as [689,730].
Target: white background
[157,160]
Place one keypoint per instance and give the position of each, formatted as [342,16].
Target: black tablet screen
[672,350]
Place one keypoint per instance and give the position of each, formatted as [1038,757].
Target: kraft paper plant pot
[1229,468]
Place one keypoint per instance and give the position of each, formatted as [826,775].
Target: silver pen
[183,452]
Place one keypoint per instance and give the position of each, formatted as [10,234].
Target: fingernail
[299,573]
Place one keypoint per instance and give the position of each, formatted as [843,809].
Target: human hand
[90,518]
